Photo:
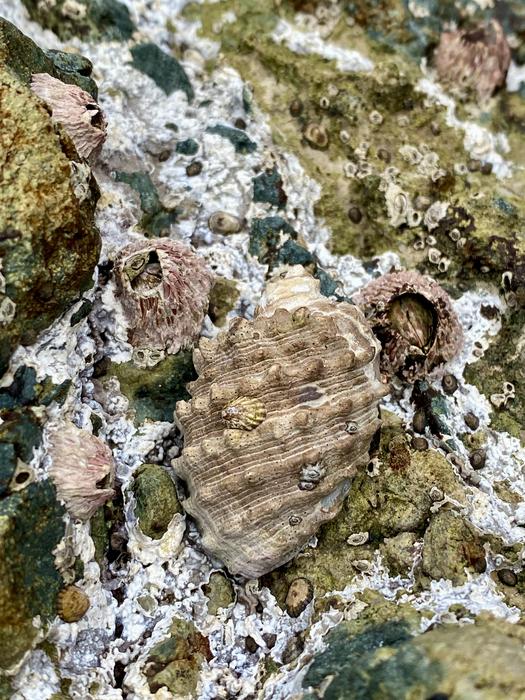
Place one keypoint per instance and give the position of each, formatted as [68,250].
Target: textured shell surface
[414,318]
[72,603]
[259,493]
[80,461]
[76,110]
[478,57]
[164,288]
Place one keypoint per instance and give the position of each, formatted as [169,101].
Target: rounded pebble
[471,420]
[419,421]
[508,577]
[194,168]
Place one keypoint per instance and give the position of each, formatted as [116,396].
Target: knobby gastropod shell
[267,454]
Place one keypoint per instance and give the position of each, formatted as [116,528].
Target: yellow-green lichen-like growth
[49,244]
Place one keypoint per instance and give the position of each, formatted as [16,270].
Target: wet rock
[219,592]
[266,237]
[49,244]
[94,19]
[450,546]
[153,394]
[399,552]
[31,526]
[162,68]
[223,297]
[237,137]
[156,500]
[22,56]
[483,660]
[156,220]
[86,653]
[175,663]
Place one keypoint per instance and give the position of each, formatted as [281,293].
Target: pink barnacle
[82,469]
[76,110]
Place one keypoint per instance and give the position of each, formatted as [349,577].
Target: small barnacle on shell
[72,604]
[76,110]
[300,594]
[244,413]
[413,318]
[302,370]
[224,223]
[82,469]
[163,287]
[477,58]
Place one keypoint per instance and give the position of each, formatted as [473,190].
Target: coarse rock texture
[271,439]
[156,498]
[482,661]
[49,244]
[31,526]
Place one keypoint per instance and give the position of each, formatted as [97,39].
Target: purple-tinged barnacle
[82,469]
[76,110]
[477,58]
[413,318]
[163,287]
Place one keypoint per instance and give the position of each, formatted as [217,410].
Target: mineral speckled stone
[260,487]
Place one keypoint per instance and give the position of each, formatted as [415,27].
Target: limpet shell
[300,594]
[72,604]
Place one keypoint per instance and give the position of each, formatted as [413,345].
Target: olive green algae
[156,500]
[49,244]
[153,393]
[31,526]
[385,662]
[342,104]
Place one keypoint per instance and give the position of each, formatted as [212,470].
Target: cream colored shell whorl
[281,417]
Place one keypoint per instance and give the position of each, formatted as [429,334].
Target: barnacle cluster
[276,429]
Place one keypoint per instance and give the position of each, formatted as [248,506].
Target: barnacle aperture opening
[415,319]
[144,272]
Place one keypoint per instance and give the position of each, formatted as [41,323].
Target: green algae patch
[162,68]
[219,592]
[223,298]
[188,147]
[395,501]
[386,662]
[96,19]
[153,393]
[156,500]
[268,187]
[156,220]
[31,526]
[504,361]
[175,663]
